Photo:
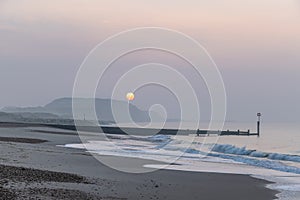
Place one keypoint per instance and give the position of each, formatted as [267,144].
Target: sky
[255,44]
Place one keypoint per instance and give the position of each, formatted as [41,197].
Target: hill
[62,108]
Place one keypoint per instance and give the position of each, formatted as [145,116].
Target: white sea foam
[224,158]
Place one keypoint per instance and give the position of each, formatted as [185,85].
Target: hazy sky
[255,43]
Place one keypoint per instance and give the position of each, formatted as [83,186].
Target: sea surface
[274,156]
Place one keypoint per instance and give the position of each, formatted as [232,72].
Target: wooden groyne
[151,131]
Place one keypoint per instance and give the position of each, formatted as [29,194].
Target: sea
[273,156]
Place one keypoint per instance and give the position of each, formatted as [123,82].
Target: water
[275,137]
[274,156]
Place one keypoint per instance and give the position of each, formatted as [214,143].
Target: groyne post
[258,124]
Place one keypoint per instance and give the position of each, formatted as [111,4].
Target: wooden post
[258,124]
[258,128]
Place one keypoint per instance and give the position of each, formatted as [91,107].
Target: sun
[130,96]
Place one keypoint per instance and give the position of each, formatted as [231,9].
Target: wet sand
[47,171]
[22,140]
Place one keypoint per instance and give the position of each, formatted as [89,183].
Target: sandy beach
[34,166]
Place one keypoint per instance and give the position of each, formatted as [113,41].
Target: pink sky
[255,43]
[224,27]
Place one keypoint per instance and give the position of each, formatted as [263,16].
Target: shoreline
[124,130]
[108,183]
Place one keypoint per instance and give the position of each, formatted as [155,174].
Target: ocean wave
[159,138]
[165,148]
[230,149]
[259,163]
